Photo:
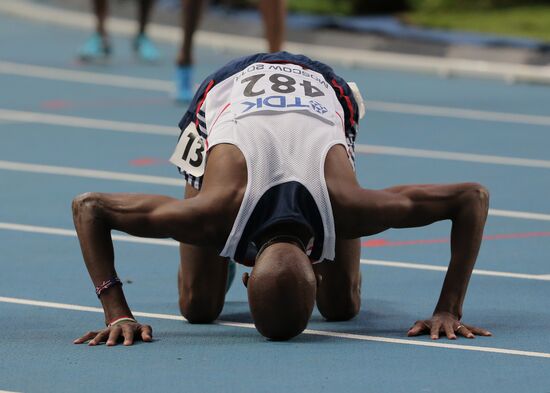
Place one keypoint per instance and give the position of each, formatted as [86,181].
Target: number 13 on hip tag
[189,154]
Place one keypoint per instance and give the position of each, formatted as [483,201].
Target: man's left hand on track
[447,324]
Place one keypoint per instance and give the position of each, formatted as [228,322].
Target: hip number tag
[189,154]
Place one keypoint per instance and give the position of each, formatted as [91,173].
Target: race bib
[190,152]
[281,88]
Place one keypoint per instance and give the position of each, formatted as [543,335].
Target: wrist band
[107,284]
[121,319]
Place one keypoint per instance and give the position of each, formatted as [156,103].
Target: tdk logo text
[279,102]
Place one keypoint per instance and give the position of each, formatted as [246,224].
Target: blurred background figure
[98,46]
[273,15]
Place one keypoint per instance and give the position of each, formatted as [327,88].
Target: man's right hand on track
[127,332]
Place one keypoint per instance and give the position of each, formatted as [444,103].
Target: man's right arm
[95,215]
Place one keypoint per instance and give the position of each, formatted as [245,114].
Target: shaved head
[281,291]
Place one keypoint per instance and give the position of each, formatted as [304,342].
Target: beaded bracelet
[107,284]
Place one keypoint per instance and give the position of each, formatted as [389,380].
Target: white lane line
[349,336]
[72,233]
[90,173]
[168,181]
[68,75]
[479,272]
[95,78]
[432,344]
[121,126]
[3,122]
[457,113]
[451,156]
[224,41]
[172,243]
[7,391]
[84,122]
[518,214]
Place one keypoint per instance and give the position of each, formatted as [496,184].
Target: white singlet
[284,119]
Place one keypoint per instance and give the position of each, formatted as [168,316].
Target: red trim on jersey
[348,101]
[217,117]
[342,120]
[210,85]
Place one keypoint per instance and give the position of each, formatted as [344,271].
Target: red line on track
[55,104]
[147,161]
[503,236]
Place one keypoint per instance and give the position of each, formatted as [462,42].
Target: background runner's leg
[274,15]
[144,14]
[101,8]
[190,17]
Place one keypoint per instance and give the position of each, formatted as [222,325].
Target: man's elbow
[86,205]
[476,198]
[480,194]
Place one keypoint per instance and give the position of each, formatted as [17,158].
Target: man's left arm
[366,212]
[468,216]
